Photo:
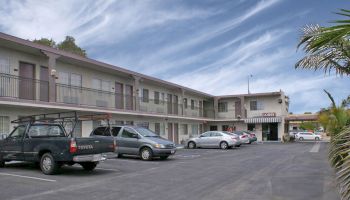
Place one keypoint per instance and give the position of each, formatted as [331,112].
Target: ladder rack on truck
[62,118]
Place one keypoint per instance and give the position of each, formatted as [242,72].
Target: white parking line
[28,177]
[114,170]
[315,148]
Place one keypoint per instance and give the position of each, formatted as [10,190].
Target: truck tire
[89,166]
[2,163]
[48,165]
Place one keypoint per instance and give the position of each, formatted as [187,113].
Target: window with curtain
[156,97]
[4,65]
[4,125]
[222,107]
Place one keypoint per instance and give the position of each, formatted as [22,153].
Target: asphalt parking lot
[258,171]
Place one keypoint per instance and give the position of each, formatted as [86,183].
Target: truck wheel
[146,153]
[48,165]
[89,166]
[2,163]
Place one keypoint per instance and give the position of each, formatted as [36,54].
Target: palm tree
[339,157]
[327,48]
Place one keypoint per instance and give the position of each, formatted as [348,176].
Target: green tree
[327,48]
[69,45]
[45,41]
[308,126]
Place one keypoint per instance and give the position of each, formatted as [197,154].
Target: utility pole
[248,82]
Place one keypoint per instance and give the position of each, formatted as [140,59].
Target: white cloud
[91,22]
[207,33]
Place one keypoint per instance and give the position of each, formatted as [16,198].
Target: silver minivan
[133,140]
[214,139]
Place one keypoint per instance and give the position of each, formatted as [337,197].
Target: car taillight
[73,146]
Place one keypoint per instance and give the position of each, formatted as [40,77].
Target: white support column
[52,76]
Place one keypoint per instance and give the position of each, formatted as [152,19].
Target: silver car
[214,139]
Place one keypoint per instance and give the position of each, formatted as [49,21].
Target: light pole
[248,82]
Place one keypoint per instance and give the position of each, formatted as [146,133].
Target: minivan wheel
[223,145]
[2,163]
[301,138]
[89,166]
[146,153]
[191,145]
[48,165]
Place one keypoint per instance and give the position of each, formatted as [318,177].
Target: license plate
[172,151]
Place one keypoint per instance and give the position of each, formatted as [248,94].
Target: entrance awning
[257,120]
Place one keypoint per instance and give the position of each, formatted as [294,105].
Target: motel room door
[119,96]
[26,81]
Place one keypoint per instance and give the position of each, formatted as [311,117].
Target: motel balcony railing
[23,88]
[20,88]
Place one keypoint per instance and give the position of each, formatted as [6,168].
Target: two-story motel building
[38,79]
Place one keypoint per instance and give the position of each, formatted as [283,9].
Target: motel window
[192,104]
[225,127]
[129,123]
[163,98]
[99,84]
[156,97]
[222,107]
[4,126]
[75,80]
[157,128]
[251,127]
[185,102]
[143,124]
[194,129]
[185,129]
[145,95]
[256,105]
[4,65]
[70,79]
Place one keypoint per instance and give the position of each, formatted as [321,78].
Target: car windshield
[146,132]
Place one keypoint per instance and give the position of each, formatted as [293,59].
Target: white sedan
[307,136]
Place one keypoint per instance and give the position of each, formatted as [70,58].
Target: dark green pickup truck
[48,145]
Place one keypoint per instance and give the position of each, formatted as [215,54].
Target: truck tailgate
[94,145]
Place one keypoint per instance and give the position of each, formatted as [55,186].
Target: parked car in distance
[214,139]
[308,136]
[133,140]
[244,136]
[252,136]
[50,146]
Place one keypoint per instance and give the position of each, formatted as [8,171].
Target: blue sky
[208,45]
